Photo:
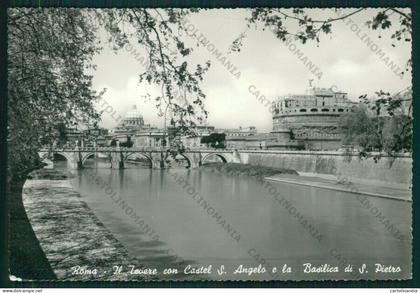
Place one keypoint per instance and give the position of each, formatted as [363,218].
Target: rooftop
[133,113]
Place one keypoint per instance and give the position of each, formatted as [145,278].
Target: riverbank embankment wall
[386,170]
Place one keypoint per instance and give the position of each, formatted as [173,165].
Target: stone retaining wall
[387,170]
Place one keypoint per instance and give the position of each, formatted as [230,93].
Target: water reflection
[264,225]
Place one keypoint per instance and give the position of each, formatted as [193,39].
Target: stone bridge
[159,158]
[389,169]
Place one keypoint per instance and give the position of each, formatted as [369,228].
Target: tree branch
[401,13]
[322,21]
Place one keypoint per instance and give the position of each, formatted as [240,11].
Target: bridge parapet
[157,155]
[106,149]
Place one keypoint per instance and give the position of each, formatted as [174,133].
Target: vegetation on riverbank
[50,174]
[246,169]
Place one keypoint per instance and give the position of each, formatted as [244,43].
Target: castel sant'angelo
[309,121]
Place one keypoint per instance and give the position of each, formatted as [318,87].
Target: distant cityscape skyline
[277,70]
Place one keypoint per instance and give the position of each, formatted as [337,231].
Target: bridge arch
[55,155]
[221,156]
[186,156]
[67,156]
[87,156]
[189,159]
[145,155]
[45,156]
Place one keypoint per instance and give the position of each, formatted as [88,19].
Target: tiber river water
[267,229]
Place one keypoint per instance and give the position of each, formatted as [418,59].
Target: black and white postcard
[209,144]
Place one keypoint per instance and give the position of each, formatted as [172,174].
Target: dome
[133,113]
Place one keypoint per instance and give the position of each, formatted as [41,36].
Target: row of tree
[383,124]
[49,55]
[125,144]
[215,140]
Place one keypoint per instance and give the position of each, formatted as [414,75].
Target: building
[133,126]
[259,141]
[239,132]
[237,138]
[194,141]
[96,136]
[245,138]
[309,121]
[73,135]
[150,137]
[132,122]
[145,135]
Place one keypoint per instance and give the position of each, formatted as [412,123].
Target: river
[348,232]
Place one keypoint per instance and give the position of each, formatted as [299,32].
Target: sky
[266,65]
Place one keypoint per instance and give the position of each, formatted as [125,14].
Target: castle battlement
[318,100]
[313,116]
